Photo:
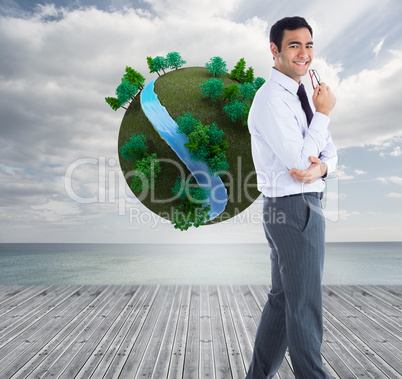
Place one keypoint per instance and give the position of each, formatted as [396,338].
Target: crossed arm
[316,171]
[324,102]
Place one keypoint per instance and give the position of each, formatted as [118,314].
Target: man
[292,156]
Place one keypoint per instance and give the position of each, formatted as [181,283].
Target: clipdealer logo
[112,188]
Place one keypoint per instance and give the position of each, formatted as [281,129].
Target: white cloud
[390,148]
[330,22]
[58,64]
[340,215]
[342,175]
[396,179]
[394,195]
[392,179]
[190,9]
[360,172]
[377,48]
[336,196]
[368,107]
[381,147]
[367,111]
[397,152]
[58,208]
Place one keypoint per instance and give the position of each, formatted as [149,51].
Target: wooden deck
[183,331]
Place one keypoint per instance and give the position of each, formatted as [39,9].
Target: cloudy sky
[60,179]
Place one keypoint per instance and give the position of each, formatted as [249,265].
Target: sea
[346,263]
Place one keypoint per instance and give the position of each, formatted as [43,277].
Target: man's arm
[316,171]
[276,124]
[278,127]
[319,168]
[329,155]
[323,99]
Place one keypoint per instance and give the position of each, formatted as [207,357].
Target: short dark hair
[287,23]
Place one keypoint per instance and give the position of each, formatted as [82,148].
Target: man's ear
[274,50]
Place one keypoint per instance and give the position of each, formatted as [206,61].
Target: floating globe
[178,91]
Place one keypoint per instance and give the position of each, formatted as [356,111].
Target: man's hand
[323,99]
[316,171]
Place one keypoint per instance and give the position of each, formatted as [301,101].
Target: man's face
[296,53]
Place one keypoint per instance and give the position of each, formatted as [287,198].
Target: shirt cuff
[320,122]
[331,165]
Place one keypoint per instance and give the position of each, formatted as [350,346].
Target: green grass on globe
[179,91]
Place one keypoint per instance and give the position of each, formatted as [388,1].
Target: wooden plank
[362,328]
[58,348]
[136,354]
[207,366]
[250,324]
[35,337]
[100,359]
[16,291]
[363,316]
[384,314]
[25,330]
[373,364]
[179,345]
[152,351]
[253,308]
[232,344]
[17,298]
[6,289]
[192,352]
[344,364]
[132,345]
[246,350]
[184,331]
[86,343]
[393,290]
[328,365]
[26,311]
[65,352]
[260,294]
[389,297]
[161,366]
[221,356]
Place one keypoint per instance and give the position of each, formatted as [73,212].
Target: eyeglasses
[315,78]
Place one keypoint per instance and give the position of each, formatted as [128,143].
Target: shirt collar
[283,80]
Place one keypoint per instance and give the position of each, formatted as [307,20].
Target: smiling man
[292,152]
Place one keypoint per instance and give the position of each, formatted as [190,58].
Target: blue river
[167,128]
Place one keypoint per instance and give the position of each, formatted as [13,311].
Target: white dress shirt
[282,140]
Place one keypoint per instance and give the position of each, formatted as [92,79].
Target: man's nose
[303,52]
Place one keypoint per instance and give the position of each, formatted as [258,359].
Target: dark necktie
[301,92]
